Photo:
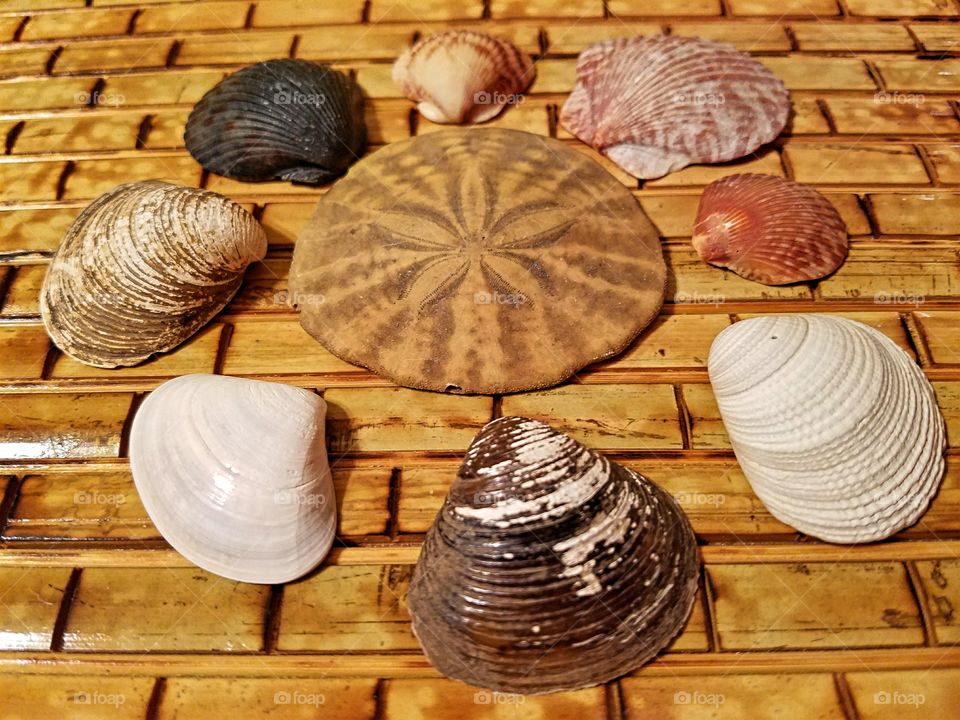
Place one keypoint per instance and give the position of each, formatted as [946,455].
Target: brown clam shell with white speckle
[549,567]
[477,261]
[144,267]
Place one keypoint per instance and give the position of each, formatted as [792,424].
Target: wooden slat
[94,177]
[45,94]
[429,698]
[114,54]
[546,8]
[157,610]
[23,349]
[818,164]
[23,292]
[382,419]
[294,12]
[225,15]
[37,181]
[764,697]
[913,76]
[946,162]
[76,697]
[916,213]
[348,609]
[891,114]
[30,601]
[570,38]
[878,606]
[276,697]
[849,37]
[749,38]
[940,581]
[391,11]
[159,88]
[933,692]
[89,23]
[34,231]
[937,38]
[895,8]
[62,426]
[656,8]
[785,8]
[638,417]
[55,135]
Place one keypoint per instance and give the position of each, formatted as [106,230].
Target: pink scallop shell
[655,104]
[463,76]
[769,229]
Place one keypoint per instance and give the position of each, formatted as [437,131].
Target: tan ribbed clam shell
[769,229]
[234,474]
[550,567]
[462,76]
[836,428]
[477,261]
[655,104]
[143,268]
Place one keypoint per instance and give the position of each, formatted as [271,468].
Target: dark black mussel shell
[279,120]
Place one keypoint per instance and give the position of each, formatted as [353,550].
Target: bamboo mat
[98,618]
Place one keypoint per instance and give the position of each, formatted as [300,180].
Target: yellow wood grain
[90,697]
[31,599]
[878,607]
[171,609]
[764,697]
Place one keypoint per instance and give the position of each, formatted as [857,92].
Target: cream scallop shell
[835,427]
[462,76]
[234,475]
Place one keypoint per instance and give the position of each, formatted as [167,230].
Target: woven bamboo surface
[99,618]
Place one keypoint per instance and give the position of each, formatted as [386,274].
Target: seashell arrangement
[550,567]
[769,229]
[144,267]
[461,76]
[835,427]
[234,474]
[279,120]
[655,104]
[477,261]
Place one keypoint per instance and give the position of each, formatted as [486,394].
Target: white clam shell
[234,474]
[835,427]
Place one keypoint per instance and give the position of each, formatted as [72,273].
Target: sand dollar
[477,261]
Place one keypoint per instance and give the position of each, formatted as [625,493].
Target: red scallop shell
[769,229]
[655,104]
